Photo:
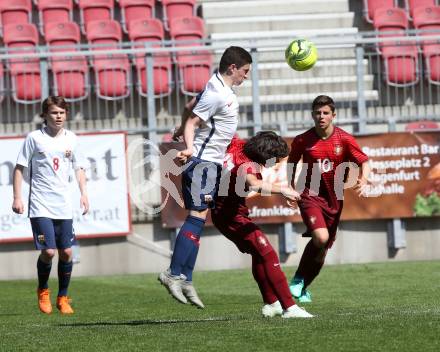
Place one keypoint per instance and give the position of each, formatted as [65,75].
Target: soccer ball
[301,54]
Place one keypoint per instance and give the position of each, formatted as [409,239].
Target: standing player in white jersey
[52,157]
[207,132]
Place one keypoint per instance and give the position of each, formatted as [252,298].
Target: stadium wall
[148,249]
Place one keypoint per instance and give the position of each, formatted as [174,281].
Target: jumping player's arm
[187,110]
[84,200]
[192,123]
[17,205]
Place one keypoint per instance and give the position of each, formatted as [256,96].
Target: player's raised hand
[84,204]
[17,206]
[184,155]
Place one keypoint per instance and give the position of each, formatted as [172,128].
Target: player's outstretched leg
[173,284]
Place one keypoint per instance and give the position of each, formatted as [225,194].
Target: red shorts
[316,214]
[243,232]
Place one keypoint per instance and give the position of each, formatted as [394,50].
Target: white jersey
[218,108]
[51,162]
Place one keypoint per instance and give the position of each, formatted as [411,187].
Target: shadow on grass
[147,322]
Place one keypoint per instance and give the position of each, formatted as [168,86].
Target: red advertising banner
[405,172]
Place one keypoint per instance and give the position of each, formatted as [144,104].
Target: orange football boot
[63,305]
[44,300]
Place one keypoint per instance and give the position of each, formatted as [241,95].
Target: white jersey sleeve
[27,150]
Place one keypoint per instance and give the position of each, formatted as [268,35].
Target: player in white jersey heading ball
[209,124]
[52,157]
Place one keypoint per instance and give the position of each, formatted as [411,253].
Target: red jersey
[321,158]
[235,200]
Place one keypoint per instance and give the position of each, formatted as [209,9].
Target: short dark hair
[56,100]
[234,55]
[265,145]
[323,100]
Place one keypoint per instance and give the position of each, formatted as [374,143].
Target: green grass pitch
[370,307]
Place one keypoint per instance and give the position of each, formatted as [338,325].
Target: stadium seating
[54,11]
[400,59]
[194,66]
[94,10]
[70,73]
[411,5]
[150,31]
[427,19]
[112,71]
[135,10]
[390,22]
[173,9]
[421,126]
[15,11]
[401,64]
[371,6]
[25,72]
[107,33]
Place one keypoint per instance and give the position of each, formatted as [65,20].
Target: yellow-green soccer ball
[301,54]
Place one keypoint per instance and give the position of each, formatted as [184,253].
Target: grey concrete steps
[340,96]
[283,86]
[216,9]
[323,68]
[270,37]
[279,22]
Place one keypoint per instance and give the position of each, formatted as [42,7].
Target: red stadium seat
[70,73]
[63,34]
[187,30]
[391,22]
[112,71]
[94,10]
[15,12]
[112,76]
[25,72]
[135,10]
[401,65]
[71,77]
[104,32]
[411,5]
[421,126]
[177,8]
[194,67]
[54,11]
[370,7]
[150,31]
[427,19]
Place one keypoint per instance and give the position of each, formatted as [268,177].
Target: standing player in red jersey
[325,151]
[231,216]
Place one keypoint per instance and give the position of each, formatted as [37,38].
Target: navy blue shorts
[52,233]
[200,183]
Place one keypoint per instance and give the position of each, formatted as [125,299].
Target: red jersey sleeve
[354,152]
